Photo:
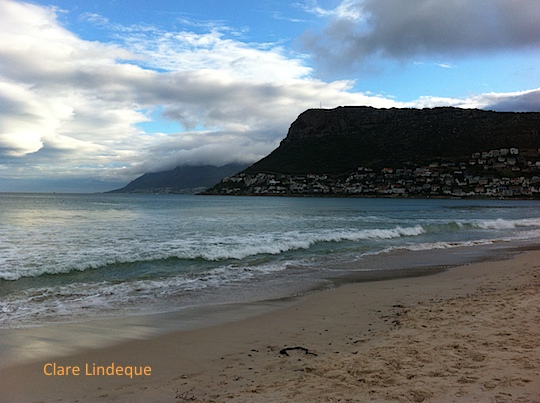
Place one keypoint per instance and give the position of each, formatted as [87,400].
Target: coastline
[469,332]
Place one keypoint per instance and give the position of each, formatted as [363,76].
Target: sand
[468,334]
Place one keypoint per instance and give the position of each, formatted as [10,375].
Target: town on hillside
[500,173]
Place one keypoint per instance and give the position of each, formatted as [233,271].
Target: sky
[95,93]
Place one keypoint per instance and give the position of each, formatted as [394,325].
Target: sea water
[74,257]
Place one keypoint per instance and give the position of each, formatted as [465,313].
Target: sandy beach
[467,334]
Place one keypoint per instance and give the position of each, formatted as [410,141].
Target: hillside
[326,149]
[339,140]
[184,179]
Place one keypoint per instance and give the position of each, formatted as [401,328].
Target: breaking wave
[211,249]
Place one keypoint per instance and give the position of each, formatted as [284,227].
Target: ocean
[74,257]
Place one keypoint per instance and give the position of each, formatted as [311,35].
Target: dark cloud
[402,29]
[523,102]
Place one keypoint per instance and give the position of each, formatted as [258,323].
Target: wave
[16,263]
[424,246]
[441,245]
[48,304]
[65,300]
[508,224]
[445,226]
[211,249]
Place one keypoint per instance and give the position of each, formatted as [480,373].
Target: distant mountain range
[182,179]
[411,152]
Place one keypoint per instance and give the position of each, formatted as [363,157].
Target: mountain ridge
[371,136]
[325,150]
[182,179]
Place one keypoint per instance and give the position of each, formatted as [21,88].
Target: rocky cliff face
[338,122]
[360,121]
[340,140]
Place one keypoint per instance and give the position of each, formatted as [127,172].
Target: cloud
[200,148]
[94,18]
[54,87]
[212,50]
[519,101]
[73,107]
[245,121]
[396,29]
[347,9]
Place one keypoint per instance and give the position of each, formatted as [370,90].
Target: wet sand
[470,333]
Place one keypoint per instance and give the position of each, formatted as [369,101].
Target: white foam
[237,247]
[42,305]
[20,258]
[507,224]
[424,246]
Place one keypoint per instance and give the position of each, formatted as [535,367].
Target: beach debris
[305,350]
[185,396]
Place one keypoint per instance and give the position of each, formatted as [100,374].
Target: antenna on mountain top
[320,106]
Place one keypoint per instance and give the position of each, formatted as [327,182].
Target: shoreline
[42,340]
[356,196]
[241,359]
[20,345]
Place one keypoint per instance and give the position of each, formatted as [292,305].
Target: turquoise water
[73,257]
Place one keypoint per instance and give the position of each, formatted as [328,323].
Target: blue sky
[95,93]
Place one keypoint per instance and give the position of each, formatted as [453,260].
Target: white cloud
[94,18]
[347,9]
[190,51]
[53,85]
[518,101]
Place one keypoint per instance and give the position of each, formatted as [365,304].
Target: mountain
[339,140]
[335,144]
[183,179]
